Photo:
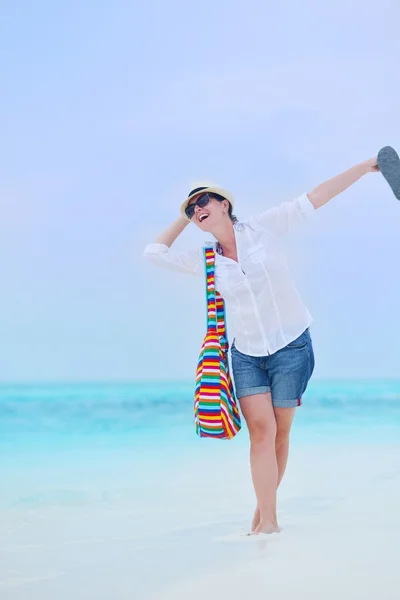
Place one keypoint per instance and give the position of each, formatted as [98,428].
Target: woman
[272,354]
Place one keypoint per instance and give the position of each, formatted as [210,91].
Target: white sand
[181,537]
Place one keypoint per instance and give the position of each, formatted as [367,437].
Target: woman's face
[210,216]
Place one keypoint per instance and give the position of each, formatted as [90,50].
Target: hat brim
[210,189]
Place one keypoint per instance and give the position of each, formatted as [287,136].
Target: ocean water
[117,467]
[43,426]
[42,418]
[143,428]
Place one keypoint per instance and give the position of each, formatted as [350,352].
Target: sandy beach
[341,539]
[182,533]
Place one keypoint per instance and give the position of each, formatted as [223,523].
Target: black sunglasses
[201,202]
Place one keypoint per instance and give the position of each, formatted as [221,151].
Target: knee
[262,432]
[282,438]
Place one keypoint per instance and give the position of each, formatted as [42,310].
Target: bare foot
[256,519]
[266,527]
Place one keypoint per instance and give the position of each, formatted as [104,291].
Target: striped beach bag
[216,412]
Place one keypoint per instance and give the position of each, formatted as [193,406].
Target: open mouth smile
[203,217]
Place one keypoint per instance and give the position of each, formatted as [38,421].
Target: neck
[226,236]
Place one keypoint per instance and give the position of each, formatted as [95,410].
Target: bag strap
[215,303]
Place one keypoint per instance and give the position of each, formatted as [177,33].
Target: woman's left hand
[372,165]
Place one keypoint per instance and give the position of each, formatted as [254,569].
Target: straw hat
[207,188]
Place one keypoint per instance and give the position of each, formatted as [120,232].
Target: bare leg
[284,420]
[260,418]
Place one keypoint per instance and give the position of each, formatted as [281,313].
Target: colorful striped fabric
[215,409]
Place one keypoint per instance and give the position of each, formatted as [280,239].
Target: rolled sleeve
[190,261]
[284,218]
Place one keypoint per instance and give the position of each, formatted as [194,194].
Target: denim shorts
[285,373]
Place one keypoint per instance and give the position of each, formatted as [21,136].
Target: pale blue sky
[108,111]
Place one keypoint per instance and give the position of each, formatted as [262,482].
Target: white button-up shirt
[265,310]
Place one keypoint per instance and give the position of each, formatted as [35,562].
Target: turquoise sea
[46,424]
[53,417]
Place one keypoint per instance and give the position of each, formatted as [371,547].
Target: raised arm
[161,254]
[282,219]
[168,236]
[332,187]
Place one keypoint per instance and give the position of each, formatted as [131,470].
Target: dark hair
[220,198]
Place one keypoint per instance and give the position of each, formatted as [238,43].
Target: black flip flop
[389,165]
